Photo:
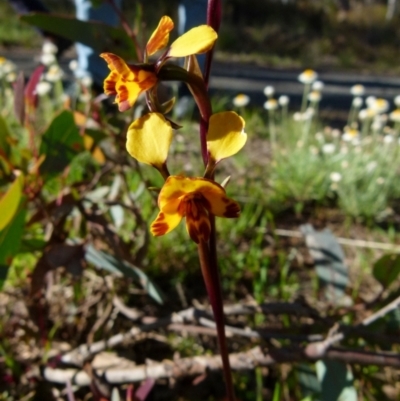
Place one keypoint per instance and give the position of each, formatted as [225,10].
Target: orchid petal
[149,138]
[160,37]
[226,135]
[196,41]
[164,223]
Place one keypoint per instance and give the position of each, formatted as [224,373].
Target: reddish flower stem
[211,279]
[214,13]
[203,140]
[128,30]
[208,251]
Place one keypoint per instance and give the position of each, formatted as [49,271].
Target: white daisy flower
[283,100]
[43,88]
[380,105]
[47,59]
[350,134]
[357,102]
[307,76]
[370,100]
[317,86]
[314,96]
[49,48]
[395,116]
[335,176]
[388,139]
[357,90]
[73,65]
[271,104]
[55,73]
[87,81]
[269,91]
[328,148]
[366,114]
[241,100]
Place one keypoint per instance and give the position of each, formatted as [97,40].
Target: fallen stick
[345,241]
[198,365]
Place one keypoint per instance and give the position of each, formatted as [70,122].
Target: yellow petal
[149,139]
[220,205]
[225,135]
[164,223]
[211,194]
[177,186]
[110,82]
[198,40]
[116,63]
[160,37]
[127,94]
[174,188]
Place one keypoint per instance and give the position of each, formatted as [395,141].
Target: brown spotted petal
[160,37]
[197,221]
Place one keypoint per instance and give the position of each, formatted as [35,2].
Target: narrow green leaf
[120,267]
[5,135]
[10,201]
[100,37]
[10,241]
[60,144]
[387,269]
[277,392]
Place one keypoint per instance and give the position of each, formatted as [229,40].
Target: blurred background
[341,34]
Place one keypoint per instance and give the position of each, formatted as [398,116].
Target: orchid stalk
[197,200]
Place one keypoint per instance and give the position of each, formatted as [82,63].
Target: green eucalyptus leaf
[60,144]
[387,269]
[117,214]
[5,136]
[10,201]
[10,240]
[336,381]
[308,380]
[329,263]
[100,37]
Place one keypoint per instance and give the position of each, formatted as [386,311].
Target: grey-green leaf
[120,267]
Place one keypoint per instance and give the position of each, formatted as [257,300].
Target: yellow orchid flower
[127,82]
[193,198]
[225,135]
